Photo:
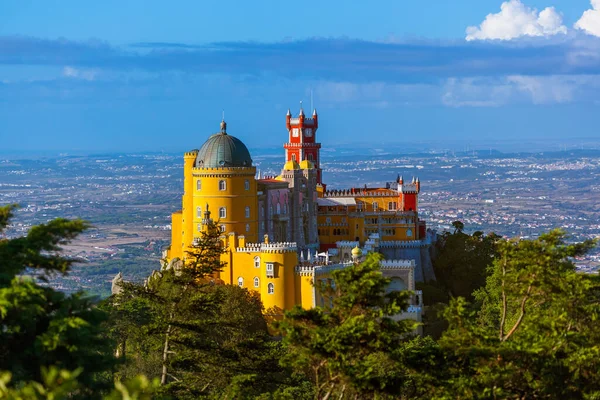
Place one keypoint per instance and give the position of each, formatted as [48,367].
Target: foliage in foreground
[531,331]
[41,327]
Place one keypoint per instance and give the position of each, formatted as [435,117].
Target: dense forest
[506,319]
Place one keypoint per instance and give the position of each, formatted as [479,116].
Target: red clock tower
[302,144]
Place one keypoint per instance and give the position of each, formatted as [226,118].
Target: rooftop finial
[223,124]
[301,109]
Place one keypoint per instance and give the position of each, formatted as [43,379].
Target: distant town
[129,198]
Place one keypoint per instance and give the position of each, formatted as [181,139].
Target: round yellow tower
[223,179]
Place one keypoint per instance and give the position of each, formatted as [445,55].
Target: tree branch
[520,319]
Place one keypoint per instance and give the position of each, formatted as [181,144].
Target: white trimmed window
[270,288]
[257,262]
[247,227]
[199,212]
[222,228]
[222,212]
[199,227]
[241,282]
[247,212]
[256,281]
[198,184]
[247,184]
[222,185]
[375,206]
[270,270]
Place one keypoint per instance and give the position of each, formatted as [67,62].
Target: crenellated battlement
[347,243]
[405,243]
[408,188]
[317,268]
[354,192]
[192,153]
[398,264]
[282,247]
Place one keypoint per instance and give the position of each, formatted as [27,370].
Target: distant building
[283,233]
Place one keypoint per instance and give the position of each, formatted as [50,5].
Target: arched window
[241,282]
[256,281]
[409,232]
[375,206]
[247,212]
[198,184]
[222,185]
[247,227]
[247,184]
[310,157]
[293,157]
[199,212]
[270,288]
[257,262]
[222,212]
[223,228]
[278,209]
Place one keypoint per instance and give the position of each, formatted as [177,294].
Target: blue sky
[155,75]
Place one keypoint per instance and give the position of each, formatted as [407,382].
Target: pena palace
[284,233]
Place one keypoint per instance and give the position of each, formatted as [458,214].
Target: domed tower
[220,176]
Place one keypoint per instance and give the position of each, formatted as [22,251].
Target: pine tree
[349,350]
[40,327]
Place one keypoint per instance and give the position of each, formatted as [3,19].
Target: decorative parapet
[279,247]
[308,269]
[398,264]
[303,145]
[223,171]
[408,188]
[305,270]
[405,243]
[346,243]
[326,269]
[359,193]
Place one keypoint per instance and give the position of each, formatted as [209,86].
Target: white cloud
[516,20]
[475,92]
[520,89]
[88,75]
[590,20]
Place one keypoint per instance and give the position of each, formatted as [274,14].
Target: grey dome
[223,150]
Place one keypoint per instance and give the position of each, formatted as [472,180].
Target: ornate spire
[289,113]
[314,112]
[301,109]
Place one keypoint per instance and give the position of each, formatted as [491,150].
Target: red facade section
[410,202]
[302,141]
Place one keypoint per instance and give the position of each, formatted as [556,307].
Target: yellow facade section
[371,214]
[230,194]
[187,202]
[270,273]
